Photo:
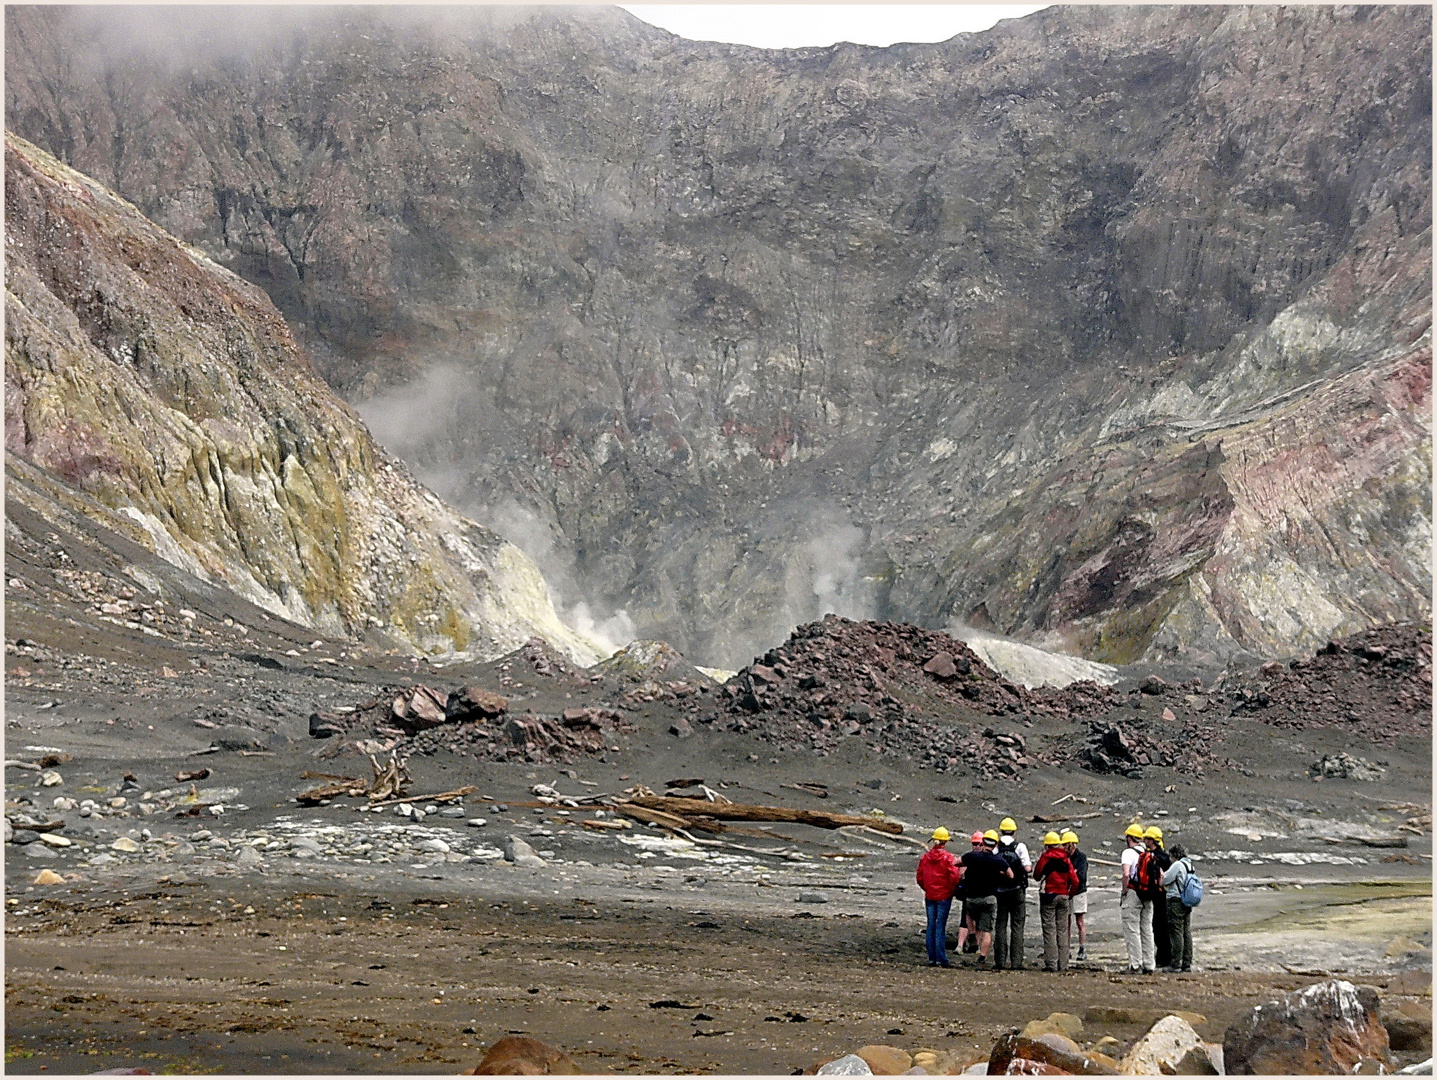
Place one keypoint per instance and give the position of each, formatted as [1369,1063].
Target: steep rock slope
[142,374]
[1107,328]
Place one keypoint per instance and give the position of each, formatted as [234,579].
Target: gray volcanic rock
[1107,328]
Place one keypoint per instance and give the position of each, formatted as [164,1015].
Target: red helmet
[977,838]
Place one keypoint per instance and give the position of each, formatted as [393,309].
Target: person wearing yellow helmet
[1006,828]
[1078,908]
[938,878]
[1012,898]
[1137,934]
[1144,894]
[1055,870]
[1162,939]
[983,872]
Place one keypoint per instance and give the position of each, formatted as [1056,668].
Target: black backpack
[1020,875]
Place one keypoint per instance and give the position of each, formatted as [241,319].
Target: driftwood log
[741,812]
[48,826]
[443,796]
[654,817]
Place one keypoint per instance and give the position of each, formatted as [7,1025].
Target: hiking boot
[1082,953]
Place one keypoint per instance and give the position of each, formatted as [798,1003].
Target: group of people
[1156,902]
[991,882]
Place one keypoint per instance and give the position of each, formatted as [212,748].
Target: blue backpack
[1192,889]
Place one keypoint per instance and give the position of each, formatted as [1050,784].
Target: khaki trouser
[1138,931]
[1053,911]
[1150,942]
[1008,939]
[1180,933]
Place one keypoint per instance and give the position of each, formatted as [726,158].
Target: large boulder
[1161,1048]
[519,1055]
[1015,1055]
[1409,1026]
[1328,1028]
[848,1065]
[474,703]
[419,708]
[1058,1023]
[944,1062]
[886,1060]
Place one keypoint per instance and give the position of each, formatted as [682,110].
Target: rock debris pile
[887,681]
[469,721]
[1125,746]
[1327,1028]
[1343,766]
[1110,750]
[1377,683]
[473,721]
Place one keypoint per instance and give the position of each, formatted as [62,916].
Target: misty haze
[522,528]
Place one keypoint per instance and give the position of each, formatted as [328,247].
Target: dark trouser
[1008,936]
[1180,933]
[938,930]
[1053,910]
[1164,955]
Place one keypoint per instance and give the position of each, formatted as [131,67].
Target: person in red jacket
[938,875]
[1060,881]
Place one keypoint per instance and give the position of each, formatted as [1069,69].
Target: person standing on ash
[938,875]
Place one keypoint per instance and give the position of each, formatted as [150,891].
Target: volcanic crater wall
[1107,328]
[144,375]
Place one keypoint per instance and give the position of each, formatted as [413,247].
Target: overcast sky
[789,26]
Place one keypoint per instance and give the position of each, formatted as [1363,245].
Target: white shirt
[1130,863]
[1021,850]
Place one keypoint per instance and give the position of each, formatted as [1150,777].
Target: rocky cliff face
[171,391]
[1108,328]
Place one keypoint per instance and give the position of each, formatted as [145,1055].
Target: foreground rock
[1329,1028]
[886,1060]
[848,1065]
[1016,1055]
[519,1055]
[1172,1046]
[1409,1026]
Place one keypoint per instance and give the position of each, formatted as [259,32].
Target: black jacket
[1080,864]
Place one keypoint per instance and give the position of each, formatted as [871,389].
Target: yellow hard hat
[1152,832]
[1069,836]
[1051,839]
[1134,830]
[940,833]
[1008,825]
[991,834]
